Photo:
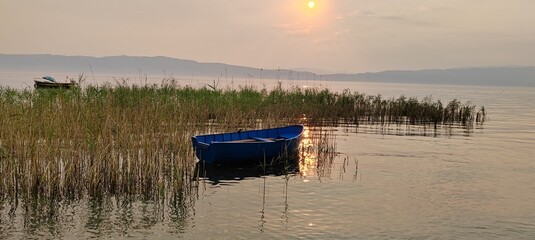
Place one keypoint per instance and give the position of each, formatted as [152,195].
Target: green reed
[129,140]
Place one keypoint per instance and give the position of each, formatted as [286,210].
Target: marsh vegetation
[135,141]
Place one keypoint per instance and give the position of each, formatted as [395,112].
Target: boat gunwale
[249,142]
[279,139]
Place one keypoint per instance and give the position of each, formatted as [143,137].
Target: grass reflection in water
[121,157]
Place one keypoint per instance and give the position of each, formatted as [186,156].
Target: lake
[383,182]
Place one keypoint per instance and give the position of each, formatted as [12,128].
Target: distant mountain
[133,65]
[497,76]
[501,76]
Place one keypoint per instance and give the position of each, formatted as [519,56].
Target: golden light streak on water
[307,159]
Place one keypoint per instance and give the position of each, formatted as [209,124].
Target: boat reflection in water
[317,150]
[229,173]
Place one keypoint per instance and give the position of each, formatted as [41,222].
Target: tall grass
[129,140]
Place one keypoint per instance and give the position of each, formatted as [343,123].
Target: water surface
[393,182]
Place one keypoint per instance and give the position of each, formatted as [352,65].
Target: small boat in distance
[255,146]
[50,82]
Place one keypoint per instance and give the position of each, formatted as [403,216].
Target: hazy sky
[336,35]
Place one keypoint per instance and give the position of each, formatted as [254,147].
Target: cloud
[323,40]
[355,13]
[295,28]
[374,15]
[432,9]
[342,32]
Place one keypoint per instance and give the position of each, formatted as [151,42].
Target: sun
[311,4]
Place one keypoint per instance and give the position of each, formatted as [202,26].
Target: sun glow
[305,17]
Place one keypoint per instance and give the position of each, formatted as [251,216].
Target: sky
[346,36]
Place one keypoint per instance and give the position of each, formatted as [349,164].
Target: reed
[318,152]
[130,140]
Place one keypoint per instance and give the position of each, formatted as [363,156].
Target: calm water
[383,183]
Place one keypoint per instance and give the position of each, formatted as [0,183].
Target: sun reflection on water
[317,150]
[307,162]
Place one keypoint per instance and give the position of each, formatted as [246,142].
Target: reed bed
[135,141]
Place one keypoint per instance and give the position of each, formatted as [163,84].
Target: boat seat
[286,136]
[262,139]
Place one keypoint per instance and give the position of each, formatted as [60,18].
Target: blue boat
[254,146]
